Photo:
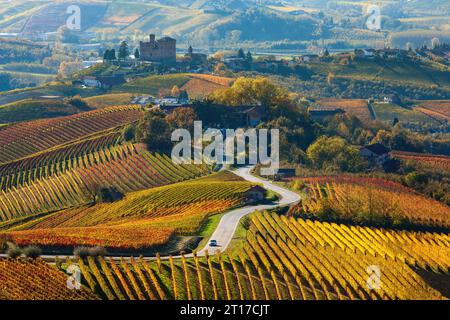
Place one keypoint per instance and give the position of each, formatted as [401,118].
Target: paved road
[228,224]
[230,221]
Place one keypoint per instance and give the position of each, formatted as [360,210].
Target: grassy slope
[26,110]
[153,84]
[106,100]
[393,72]
[387,112]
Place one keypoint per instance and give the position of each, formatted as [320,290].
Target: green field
[393,72]
[388,111]
[26,110]
[154,84]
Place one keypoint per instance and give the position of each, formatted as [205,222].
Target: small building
[196,58]
[391,98]
[252,116]
[309,58]
[91,81]
[107,82]
[163,50]
[104,82]
[255,194]
[376,153]
[365,53]
[243,116]
[286,172]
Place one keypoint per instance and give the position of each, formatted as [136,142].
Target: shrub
[81,252]
[98,251]
[32,252]
[13,251]
[4,243]
[84,252]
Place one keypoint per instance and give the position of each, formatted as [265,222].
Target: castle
[163,50]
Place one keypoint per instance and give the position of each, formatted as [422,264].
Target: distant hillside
[197,21]
[229,23]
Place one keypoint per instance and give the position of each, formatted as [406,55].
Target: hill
[195,22]
[26,110]
[395,71]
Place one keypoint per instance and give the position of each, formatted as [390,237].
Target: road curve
[228,224]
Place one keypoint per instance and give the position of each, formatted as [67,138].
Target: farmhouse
[104,82]
[255,194]
[248,116]
[376,152]
[163,50]
[286,172]
[365,53]
[252,116]
[391,98]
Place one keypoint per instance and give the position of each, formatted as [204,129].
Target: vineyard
[439,109]
[141,220]
[36,280]
[371,205]
[76,181]
[356,107]
[284,258]
[428,160]
[24,139]
[353,179]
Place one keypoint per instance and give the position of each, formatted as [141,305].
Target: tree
[175,92]
[106,55]
[128,132]
[112,54]
[249,57]
[182,118]
[335,154]
[66,35]
[259,91]
[154,131]
[330,78]
[124,52]
[137,54]
[241,54]
[220,69]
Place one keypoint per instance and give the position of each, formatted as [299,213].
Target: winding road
[227,226]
